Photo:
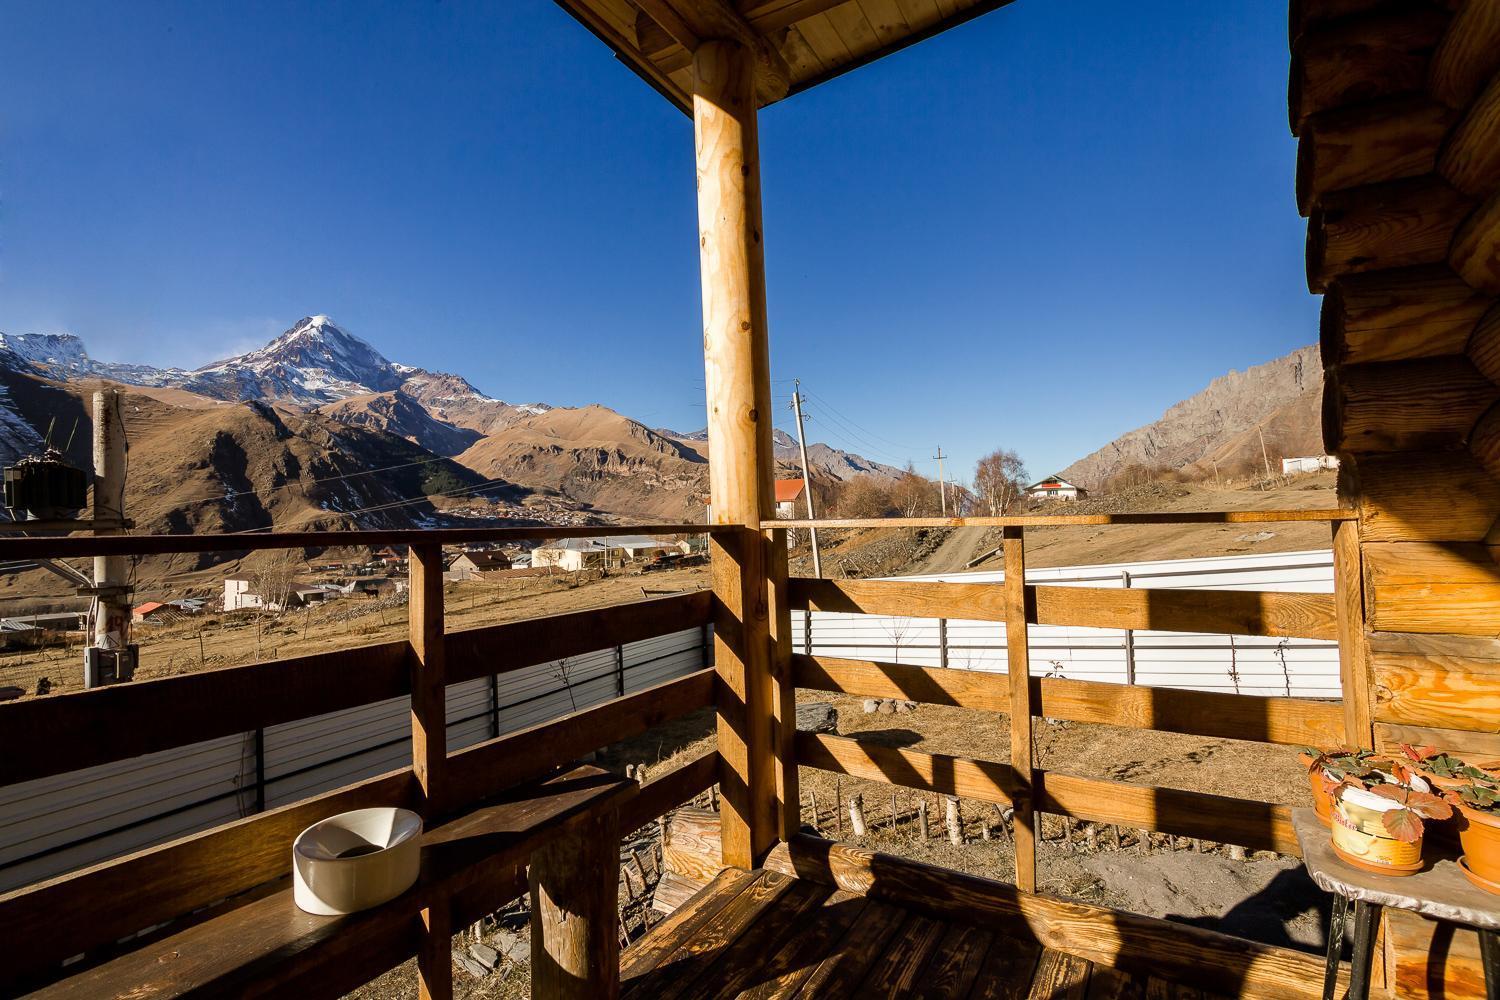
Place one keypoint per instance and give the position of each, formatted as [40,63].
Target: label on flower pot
[1359,835]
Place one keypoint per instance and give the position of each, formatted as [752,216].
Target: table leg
[1489,957]
[1366,919]
[1335,944]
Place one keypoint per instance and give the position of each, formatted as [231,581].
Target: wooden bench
[564,825]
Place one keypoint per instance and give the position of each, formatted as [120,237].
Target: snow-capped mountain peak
[316,361]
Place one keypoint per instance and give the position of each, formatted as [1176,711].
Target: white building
[1055,488]
[1312,463]
[574,554]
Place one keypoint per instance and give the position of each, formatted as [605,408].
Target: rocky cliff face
[1279,399]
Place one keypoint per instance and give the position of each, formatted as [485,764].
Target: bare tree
[999,478]
[914,494]
[274,577]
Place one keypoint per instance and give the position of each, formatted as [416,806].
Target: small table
[1440,891]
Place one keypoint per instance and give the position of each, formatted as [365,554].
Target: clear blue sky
[1038,230]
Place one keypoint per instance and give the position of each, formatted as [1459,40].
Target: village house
[240,595]
[475,565]
[788,492]
[148,610]
[1055,488]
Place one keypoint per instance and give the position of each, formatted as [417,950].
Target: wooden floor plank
[893,973]
[1005,973]
[955,964]
[1106,983]
[839,973]
[799,955]
[1060,976]
[1158,988]
[702,951]
[667,936]
[743,964]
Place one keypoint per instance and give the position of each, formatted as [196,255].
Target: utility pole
[1263,456]
[942,490]
[110,657]
[812,533]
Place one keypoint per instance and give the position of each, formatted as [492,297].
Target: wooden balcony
[217,917]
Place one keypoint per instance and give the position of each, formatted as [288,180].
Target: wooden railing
[1019,783]
[205,874]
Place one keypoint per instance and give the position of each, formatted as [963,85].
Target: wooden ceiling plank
[887,19]
[854,29]
[825,41]
[921,13]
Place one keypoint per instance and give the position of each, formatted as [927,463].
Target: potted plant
[1479,832]
[1378,817]
[1325,765]
[1443,769]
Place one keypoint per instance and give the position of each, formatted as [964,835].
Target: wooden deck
[767,934]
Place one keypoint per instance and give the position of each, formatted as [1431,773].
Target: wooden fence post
[736,360]
[429,746]
[1354,655]
[783,690]
[575,942]
[1018,662]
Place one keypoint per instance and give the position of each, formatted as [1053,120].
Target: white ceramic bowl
[356,860]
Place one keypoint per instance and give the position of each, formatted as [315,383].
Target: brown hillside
[597,456]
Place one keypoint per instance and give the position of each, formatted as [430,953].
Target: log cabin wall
[1396,106]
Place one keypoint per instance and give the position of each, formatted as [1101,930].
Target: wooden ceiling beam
[691,22]
[662,47]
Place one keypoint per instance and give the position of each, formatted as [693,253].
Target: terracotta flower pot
[1479,832]
[1360,838]
[1322,803]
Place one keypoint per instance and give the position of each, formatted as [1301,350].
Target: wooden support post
[429,726]
[1354,657]
[1018,660]
[783,691]
[954,820]
[737,373]
[575,945]
[922,833]
[429,746]
[435,953]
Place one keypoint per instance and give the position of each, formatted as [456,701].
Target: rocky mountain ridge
[1223,425]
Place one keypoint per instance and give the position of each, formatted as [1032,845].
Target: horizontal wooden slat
[985,780]
[978,601]
[1217,962]
[149,716]
[1066,520]
[50,921]
[1292,721]
[663,794]
[1389,737]
[1442,682]
[127,720]
[485,768]
[1256,825]
[496,649]
[1432,587]
[1232,612]
[157,545]
[977,689]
